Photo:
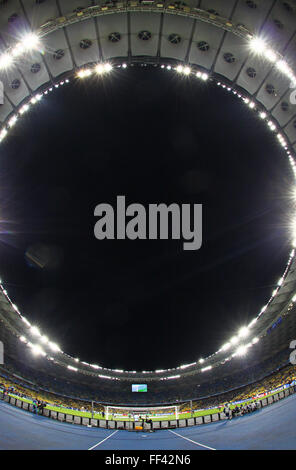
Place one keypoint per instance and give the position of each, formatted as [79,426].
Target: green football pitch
[87,414]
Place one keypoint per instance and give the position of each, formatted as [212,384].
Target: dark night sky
[152,137]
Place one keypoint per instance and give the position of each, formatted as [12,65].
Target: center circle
[152,137]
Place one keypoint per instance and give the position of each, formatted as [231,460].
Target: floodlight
[241,351]
[206,368]
[252,322]
[30,41]
[35,331]
[24,109]
[108,67]
[5,61]
[283,66]
[234,340]
[11,123]
[100,69]
[243,332]
[26,321]
[18,50]
[37,350]
[270,55]
[84,73]
[54,347]
[258,45]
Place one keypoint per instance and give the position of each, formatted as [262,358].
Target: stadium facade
[217,40]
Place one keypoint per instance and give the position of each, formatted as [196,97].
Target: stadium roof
[42,42]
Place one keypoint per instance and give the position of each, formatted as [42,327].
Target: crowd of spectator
[263,387]
[41,398]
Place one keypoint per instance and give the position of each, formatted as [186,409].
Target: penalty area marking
[101,442]
[190,440]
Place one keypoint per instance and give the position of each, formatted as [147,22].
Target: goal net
[137,414]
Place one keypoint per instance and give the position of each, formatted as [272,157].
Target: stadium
[246,49]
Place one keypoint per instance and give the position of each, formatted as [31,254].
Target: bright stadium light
[18,50]
[100,69]
[5,61]
[3,134]
[35,331]
[37,350]
[108,67]
[206,368]
[241,351]
[185,366]
[226,346]
[270,55]
[30,41]
[283,67]
[258,45]
[234,340]
[72,368]
[26,321]
[24,109]
[84,73]
[12,121]
[201,361]
[252,322]
[255,340]
[243,332]
[54,347]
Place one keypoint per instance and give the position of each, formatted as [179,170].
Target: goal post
[137,414]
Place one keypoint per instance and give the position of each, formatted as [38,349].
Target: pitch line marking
[101,442]
[190,440]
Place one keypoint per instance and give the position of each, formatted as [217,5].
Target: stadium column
[107,412]
[176,412]
[92,409]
